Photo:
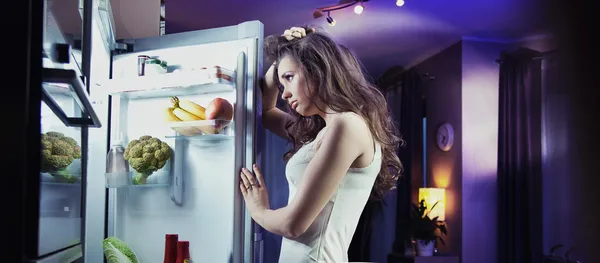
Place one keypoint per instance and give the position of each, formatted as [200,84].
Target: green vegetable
[58,152]
[117,251]
[64,176]
[147,155]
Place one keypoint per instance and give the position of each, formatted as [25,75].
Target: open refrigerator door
[66,115]
[183,109]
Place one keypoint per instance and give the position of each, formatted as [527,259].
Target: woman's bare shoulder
[354,125]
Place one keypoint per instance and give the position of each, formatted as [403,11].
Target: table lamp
[431,196]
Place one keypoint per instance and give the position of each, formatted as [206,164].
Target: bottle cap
[183,243]
[118,141]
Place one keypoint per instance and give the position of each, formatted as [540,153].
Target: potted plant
[425,230]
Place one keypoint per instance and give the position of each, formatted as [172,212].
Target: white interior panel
[206,217]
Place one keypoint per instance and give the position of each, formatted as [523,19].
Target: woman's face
[295,87]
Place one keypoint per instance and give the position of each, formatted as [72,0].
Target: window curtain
[520,157]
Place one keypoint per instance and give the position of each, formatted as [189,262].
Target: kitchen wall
[464,93]
[480,74]
[444,169]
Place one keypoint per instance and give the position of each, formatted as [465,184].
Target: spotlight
[330,20]
[358,9]
[400,2]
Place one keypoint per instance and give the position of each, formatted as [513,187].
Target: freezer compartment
[182,82]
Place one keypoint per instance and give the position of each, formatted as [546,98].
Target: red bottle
[183,252]
[171,248]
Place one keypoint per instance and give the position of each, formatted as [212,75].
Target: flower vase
[425,248]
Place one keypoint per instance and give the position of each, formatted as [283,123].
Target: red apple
[219,108]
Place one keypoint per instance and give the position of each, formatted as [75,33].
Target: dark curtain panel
[405,97]
[519,158]
[557,155]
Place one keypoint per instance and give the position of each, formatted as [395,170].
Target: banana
[189,106]
[192,108]
[184,115]
[169,116]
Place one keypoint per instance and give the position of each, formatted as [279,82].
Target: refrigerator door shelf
[159,178]
[179,83]
[57,81]
[119,180]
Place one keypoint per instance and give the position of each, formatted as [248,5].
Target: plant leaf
[442,240]
[443,229]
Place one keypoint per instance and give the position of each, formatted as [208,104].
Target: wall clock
[445,137]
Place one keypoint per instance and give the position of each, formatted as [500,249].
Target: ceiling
[406,34]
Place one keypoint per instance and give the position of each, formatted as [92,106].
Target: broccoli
[64,176]
[146,155]
[117,251]
[58,152]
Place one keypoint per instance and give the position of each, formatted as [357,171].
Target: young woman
[343,146]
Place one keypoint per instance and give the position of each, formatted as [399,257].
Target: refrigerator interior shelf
[58,89]
[203,128]
[71,179]
[159,178]
[180,83]
[208,138]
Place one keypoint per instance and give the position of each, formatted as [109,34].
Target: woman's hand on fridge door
[254,191]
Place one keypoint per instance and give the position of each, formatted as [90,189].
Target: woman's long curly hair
[341,84]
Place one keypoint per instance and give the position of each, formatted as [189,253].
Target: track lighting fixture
[330,20]
[358,8]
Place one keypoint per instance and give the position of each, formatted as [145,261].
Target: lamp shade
[431,196]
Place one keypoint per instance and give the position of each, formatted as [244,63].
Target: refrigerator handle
[70,77]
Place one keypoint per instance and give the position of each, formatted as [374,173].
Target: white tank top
[329,236]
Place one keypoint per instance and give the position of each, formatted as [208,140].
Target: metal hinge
[120,46]
[123,46]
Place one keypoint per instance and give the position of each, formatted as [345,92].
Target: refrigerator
[86,95]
